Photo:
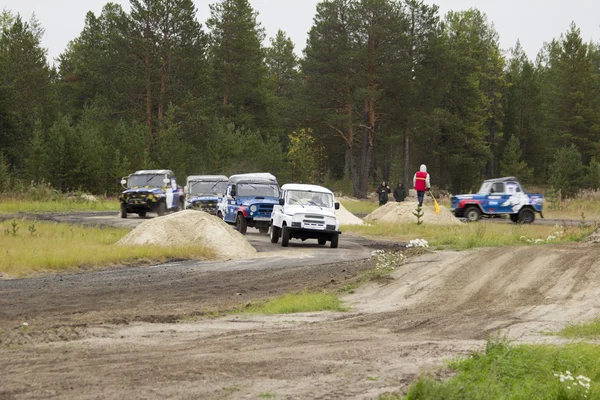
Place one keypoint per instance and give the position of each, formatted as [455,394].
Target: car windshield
[257,190]
[138,181]
[485,188]
[307,198]
[207,187]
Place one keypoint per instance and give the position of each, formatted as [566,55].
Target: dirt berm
[402,213]
[192,228]
[347,218]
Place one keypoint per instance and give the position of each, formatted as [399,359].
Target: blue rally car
[497,197]
[150,191]
[249,201]
[205,192]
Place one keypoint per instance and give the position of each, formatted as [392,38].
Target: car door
[278,210]
[229,206]
[495,199]
[169,193]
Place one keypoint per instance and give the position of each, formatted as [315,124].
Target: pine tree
[512,163]
[566,171]
[237,60]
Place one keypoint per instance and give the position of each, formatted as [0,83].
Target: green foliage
[304,156]
[504,371]
[384,85]
[566,171]
[4,174]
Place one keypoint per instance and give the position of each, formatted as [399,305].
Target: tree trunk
[406,161]
[368,138]
[148,104]
[163,87]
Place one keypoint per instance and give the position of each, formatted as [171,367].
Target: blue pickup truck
[249,201]
[497,197]
[205,192]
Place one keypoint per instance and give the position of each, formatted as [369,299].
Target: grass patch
[503,371]
[297,303]
[266,396]
[468,236]
[13,206]
[589,330]
[360,206]
[31,247]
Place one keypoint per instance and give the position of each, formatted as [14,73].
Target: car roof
[306,188]
[505,179]
[210,178]
[154,172]
[262,177]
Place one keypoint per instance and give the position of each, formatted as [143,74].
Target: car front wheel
[285,237]
[241,224]
[472,214]
[275,232]
[123,210]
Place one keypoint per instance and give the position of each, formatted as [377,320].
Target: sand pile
[402,213]
[192,227]
[347,218]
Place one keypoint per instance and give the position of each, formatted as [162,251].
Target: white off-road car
[305,212]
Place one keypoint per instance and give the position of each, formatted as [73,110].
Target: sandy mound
[402,213]
[347,218]
[526,289]
[192,227]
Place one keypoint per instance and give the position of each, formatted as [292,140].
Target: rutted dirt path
[141,333]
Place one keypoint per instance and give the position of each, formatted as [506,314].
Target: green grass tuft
[503,371]
[297,303]
[13,206]
[471,235]
[585,330]
[50,247]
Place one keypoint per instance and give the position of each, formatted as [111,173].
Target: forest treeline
[382,87]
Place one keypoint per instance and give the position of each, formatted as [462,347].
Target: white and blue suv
[305,212]
[249,201]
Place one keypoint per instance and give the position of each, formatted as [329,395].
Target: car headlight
[253,208]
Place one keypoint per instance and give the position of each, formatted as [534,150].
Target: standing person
[383,190]
[400,193]
[421,183]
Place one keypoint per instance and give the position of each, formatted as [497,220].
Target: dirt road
[146,332]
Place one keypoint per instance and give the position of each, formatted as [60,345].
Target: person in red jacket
[421,183]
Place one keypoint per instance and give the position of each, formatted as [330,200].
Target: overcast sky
[532,21]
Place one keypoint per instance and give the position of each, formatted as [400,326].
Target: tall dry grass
[32,247]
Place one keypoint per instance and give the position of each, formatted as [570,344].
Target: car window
[498,187]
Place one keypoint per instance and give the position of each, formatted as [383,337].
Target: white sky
[532,21]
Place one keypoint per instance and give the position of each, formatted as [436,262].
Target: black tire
[285,237]
[335,239]
[142,214]
[220,214]
[161,210]
[123,210]
[275,233]
[473,214]
[241,224]
[322,241]
[514,218]
[526,216]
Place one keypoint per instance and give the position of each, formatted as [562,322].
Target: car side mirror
[337,206]
[281,202]
[123,181]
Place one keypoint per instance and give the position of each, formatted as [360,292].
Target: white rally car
[305,212]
